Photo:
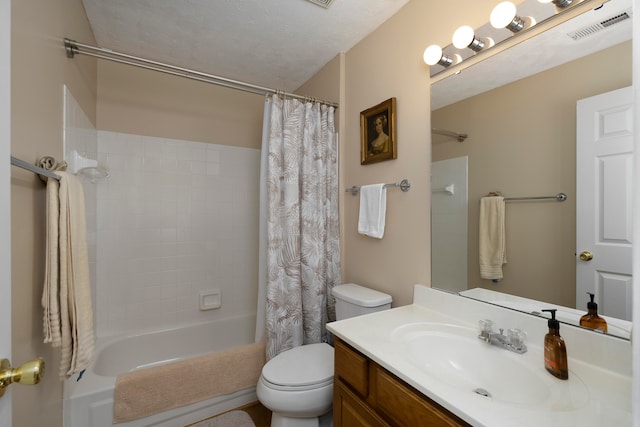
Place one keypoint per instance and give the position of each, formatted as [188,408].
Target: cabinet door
[350,411]
[406,407]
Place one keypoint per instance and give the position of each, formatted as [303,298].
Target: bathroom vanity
[423,364]
[367,395]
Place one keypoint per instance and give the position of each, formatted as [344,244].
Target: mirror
[518,109]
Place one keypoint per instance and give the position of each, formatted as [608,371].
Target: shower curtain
[299,226]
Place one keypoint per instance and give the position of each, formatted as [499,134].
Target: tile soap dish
[79,165]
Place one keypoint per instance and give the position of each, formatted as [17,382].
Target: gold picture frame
[378,133]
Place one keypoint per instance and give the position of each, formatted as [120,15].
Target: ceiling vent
[322,3]
[599,26]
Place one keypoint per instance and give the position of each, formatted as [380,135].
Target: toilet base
[278,420]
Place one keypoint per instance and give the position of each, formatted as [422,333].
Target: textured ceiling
[274,43]
[282,43]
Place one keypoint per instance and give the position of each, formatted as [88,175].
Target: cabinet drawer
[405,406]
[352,368]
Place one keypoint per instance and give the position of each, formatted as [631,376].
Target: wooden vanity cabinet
[367,395]
[351,410]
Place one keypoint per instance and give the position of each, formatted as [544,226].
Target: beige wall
[326,83]
[522,143]
[39,69]
[142,102]
[388,63]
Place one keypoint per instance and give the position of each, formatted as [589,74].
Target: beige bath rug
[230,419]
[148,391]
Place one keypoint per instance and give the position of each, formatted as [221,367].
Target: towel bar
[35,169]
[404,185]
[560,197]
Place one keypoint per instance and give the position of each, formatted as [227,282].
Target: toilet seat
[301,368]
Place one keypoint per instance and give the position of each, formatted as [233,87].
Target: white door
[5,209]
[603,201]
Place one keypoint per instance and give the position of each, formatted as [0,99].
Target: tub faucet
[513,341]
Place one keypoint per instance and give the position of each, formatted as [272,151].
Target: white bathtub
[89,402]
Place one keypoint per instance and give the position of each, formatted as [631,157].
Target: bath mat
[230,419]
[148,391]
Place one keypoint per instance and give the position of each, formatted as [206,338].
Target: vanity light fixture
[504,16]
[465,37]
[468,48]
[433,55]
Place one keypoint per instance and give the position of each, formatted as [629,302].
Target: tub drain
[482,392]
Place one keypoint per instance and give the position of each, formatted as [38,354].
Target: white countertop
[607,400]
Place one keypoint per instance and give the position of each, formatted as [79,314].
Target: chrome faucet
[513,341]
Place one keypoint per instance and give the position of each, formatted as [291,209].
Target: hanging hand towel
[74,279]
[50,300]
[492,248]
[68,313]
[373,206]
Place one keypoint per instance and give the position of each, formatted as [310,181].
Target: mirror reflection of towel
[373,207]
[492,238]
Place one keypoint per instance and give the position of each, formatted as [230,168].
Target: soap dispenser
[555,350]
[591,319]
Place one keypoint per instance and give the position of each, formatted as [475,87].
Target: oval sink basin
[455,356]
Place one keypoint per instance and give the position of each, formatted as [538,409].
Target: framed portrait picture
[378,133]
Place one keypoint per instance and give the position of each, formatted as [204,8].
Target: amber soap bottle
[555,350]
[591,319]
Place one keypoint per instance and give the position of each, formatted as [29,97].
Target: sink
[455,356]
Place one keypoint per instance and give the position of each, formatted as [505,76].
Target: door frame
[635,396]
[5,198]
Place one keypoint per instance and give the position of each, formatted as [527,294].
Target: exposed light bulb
[433,55]
[559,3]
[502,14]
[465,37]
[562,3]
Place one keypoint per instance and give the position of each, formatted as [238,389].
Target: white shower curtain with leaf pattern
[299,226]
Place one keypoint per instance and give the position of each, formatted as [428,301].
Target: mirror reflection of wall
[522,143]
[449,201]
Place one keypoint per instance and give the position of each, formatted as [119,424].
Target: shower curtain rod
[459,136]
[72,47]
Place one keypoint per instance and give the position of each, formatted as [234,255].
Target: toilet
[297,384]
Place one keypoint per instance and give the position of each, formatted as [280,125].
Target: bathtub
[89,401]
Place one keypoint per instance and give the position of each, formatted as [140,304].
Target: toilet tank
[355,300]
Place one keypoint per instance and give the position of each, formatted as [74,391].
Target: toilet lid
[301,366]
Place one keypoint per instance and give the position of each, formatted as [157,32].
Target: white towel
[492,247]
[68,296]
[373,207]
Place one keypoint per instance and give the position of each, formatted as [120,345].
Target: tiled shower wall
[175,219]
